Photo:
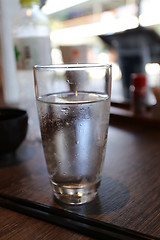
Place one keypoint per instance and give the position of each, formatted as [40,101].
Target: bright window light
[153,74]
[78,33]
[150,12]
[53,6]
[152,68]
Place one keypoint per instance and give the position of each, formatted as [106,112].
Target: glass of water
[73,102]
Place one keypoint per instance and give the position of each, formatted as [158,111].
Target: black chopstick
[93,228]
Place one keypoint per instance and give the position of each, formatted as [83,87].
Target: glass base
[75,195]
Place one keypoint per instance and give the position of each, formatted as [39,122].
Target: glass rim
[73,66]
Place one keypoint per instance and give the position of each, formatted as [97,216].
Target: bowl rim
[21,113]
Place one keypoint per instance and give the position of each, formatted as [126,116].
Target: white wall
[8,11]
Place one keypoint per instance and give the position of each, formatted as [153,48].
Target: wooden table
[129,195]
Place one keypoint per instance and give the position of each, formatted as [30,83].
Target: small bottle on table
[138,90]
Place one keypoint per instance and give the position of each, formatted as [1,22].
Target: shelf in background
[121,114]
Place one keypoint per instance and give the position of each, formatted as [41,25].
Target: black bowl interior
[7,114]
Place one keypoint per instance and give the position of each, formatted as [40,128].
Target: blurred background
[125,33]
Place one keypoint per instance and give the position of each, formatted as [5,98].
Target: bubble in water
[68,81]
[76,155]
[82,109]
[65,110]
[67,123]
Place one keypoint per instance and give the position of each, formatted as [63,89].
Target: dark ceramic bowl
[13,129]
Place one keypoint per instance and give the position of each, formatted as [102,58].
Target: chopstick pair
[93,228]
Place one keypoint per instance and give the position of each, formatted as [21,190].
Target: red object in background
[138,92]
[139,80]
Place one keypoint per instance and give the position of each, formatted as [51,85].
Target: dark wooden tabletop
[129,195]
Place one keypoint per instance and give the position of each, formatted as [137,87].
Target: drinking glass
[73,103]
